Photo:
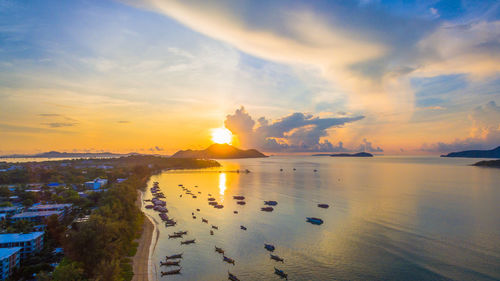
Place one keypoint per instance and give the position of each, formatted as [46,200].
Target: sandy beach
[142,261]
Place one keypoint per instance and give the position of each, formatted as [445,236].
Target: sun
[222,135]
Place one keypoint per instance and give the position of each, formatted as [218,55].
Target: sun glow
[222,135]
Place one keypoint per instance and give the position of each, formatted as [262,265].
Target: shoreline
[142,260]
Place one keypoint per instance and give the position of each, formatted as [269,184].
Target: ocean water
[390,218]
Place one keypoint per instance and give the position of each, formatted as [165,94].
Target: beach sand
[141,260]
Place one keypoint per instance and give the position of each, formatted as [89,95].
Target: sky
[156,76]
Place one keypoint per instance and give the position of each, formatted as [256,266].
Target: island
[219,151]
[493,153]
[489,163]
[359,154]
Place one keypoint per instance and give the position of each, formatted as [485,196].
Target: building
[36,217]
[9,211]
[9,259]
[96,184]
[51,207]
[29,242]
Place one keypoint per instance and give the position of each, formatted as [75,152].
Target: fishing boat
[316,221]
[213,203]
[239,197]
[194,217]
[242,227]
[218,206]
[232,277]
[228,260]
[209,194]
[219,250]
[270,203]
[267,209]
[315,170]
[187,242]
[149,206]
[174,236]
[211,199]
[215,227]
[169,224]
[324,206]
[171,272]
[277,258]
[198,210]
[235,212]
[281,273]
[241,202]
[204,220]
[211,232]
[194,196]
[181,232]
[169,263]
[269,247]
[172,257]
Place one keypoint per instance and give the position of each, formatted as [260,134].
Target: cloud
[49,115]
[484,131]
[297,132]
[367,146]
[123,122]
[60,124]
[156,149]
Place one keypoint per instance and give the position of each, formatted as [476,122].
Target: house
[36,217]
[9,211]
[50,207]
[9,260]
[96,184]
[29,242]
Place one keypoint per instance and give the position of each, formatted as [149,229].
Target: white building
[29,242]
[36,217]
[50,207]
[9,259]
[9,211]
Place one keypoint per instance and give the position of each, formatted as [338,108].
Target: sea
[389,218]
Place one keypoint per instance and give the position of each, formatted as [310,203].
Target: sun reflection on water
[222,183]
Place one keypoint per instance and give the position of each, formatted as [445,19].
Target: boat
[149,206]
[241,202]
[213,203]
[194,217]
[187,242]
[169,224]
[194,196]
[211,199]
[171,272]
[235,212]
[269,247]
[270,203]
[180,195]
[176,256]
[204,220]
[242,227]
[174,236]
[315,170]
[211,232]
[181,232]
[281,273]
[209,194]
[169,263]
[267,209]
[239,197]
[197,210]
[228,260]
[281,170]
[218,206]
[215,227]
[219,250]
[232,277]
[277,258]
[324,206]
[316,221]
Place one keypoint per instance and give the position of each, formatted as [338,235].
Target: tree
[68,270]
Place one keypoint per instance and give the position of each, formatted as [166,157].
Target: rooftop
[6,209]
[49,206]
[7,252]
[19,237]
[36,214]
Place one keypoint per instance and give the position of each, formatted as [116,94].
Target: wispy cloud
[59,124]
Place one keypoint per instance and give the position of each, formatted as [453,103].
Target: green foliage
[21,226]
[68,270]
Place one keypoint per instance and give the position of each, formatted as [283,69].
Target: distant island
[359,154]
[56,154]
[493,153]
[219,151]
[489,163]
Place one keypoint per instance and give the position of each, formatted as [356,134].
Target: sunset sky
[155,76]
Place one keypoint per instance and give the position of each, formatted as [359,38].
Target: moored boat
[241,202]
[277,258]
[271,203]
[181,232]
[169,263]
[316,221]
[186,242]
[232,277]
[242,227]
[239,197]
[228,260]
[267,209]
[280,273]
[269,247]
[176,256]
[215,227]
[204,220]
[324,206]
[171,272]
[219,250]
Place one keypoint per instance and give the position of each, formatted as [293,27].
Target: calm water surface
[390,218]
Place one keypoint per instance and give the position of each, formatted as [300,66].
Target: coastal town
[50,209]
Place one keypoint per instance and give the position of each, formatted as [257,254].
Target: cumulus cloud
[297,132]
[484,132]
[367,146]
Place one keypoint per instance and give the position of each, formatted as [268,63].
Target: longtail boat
[174,236]
[215,227]
[277,258]
[324,206]
[270,203]
[281,273]
[239,197]
[169,263]
[232,277]
[269,247]
[219,250]
[171,272]
[228,260]
[204,220]
[181,232]
[243,227]
[186,242]
[267,209]
[316,221]
[176,256]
